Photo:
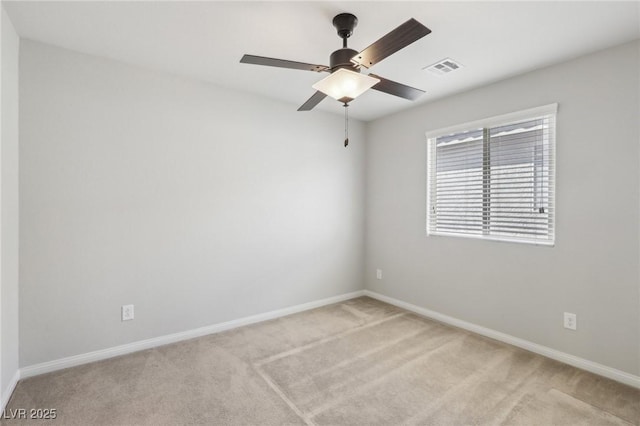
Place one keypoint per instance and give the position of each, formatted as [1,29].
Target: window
[494,179]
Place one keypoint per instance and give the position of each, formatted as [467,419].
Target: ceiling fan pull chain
[346,124]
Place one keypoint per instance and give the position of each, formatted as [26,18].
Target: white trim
[551,109]
[495,238]
[6,395]
[59,364]
[584,364]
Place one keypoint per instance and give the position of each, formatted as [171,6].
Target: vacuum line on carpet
[326,339]
[443,347]
[284,397]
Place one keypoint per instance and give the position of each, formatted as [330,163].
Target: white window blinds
[494,180]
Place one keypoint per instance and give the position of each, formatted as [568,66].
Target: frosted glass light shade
[344,85]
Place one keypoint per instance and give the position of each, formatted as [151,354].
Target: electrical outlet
[379,274]
[570,321]
[127,312]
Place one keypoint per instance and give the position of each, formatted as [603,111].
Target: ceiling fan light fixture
[344,85]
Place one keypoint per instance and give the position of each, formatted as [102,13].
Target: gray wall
[183,198]
[9,191]
[523,290]
[179,197]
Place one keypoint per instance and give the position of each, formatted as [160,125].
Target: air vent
[445,66]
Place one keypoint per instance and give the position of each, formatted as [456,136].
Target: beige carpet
[361,362]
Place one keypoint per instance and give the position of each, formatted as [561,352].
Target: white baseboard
[6,395]
[584,364]
[47,367]
[72,361]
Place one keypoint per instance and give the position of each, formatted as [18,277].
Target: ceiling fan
[345,81]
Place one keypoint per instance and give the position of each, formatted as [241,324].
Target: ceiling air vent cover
[445,66]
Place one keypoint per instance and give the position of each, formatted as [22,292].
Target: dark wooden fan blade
[389,44]
[312,101]
[396,89]
[282,63]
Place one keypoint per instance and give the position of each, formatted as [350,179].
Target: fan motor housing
[341,58]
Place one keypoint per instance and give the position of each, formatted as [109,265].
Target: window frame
[485,124]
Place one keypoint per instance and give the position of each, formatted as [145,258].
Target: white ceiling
[205,40]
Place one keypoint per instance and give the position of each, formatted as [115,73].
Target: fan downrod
[341,58]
